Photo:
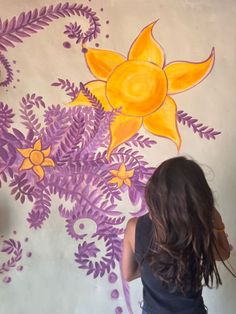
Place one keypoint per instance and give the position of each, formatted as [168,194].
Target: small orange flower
[121,176]
[35,158]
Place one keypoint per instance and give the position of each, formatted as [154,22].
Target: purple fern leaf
[98,118]
[199,128]
[139,140]
[11,247]
[30,121]
[73,140]
[71,89]
[6,115]
[8,76]
[17,29]
[41,209]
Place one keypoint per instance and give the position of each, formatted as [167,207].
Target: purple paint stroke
[41,208]
[118,310]
[73,140]
[104,226]
[13,248]
[106,263]
[19,268]
[27,105]
[112,277]
[96,174]
[29,254]
[18,28]
[66,45]
[7,279]
[74,31]
[8,155]
[6,115]
[9,73]
[69,87]
[22,188]
[140,140]
[115,294]
[199,128]
[64,185]
[102,137]
[57,121]
[99,134]
[81,226]
[96,135]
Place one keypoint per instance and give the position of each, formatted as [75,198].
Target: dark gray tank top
[157,299]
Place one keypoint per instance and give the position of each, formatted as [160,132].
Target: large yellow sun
[141,86]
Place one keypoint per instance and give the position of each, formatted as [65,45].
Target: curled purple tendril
[16,29]
[14,249]
[73,30]
[9,73]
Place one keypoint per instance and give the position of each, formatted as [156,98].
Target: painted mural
[88,150]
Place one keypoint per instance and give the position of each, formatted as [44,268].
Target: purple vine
[9,73]
[70,88]
[8,155]
[107,262]
[203,131]
[11,247]
[16,30]
[140,140]
[28,103]
[98,117]
[74,31]
[73,140]
[21,188]
[41,208]
[57,121]
[6,115]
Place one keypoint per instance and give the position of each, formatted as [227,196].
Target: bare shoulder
[131,225]
[130,232]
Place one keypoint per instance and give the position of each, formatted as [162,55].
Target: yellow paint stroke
[139,87]
[121,176]
[35,158]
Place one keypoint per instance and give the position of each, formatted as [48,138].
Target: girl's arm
[222,250]
[129,265]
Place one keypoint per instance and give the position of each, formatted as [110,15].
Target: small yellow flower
[35,158]
[121,176]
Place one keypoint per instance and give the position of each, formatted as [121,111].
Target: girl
[174,248]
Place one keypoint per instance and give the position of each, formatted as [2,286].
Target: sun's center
[36,157]
[137,87]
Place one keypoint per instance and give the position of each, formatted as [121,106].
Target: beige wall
[50,281]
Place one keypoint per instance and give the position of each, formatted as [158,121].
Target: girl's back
[174,247]
[157,297]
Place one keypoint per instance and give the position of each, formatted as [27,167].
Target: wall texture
[93,95]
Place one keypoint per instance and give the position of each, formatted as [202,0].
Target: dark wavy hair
[181,204]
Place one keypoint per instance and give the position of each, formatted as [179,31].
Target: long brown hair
[180,205]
